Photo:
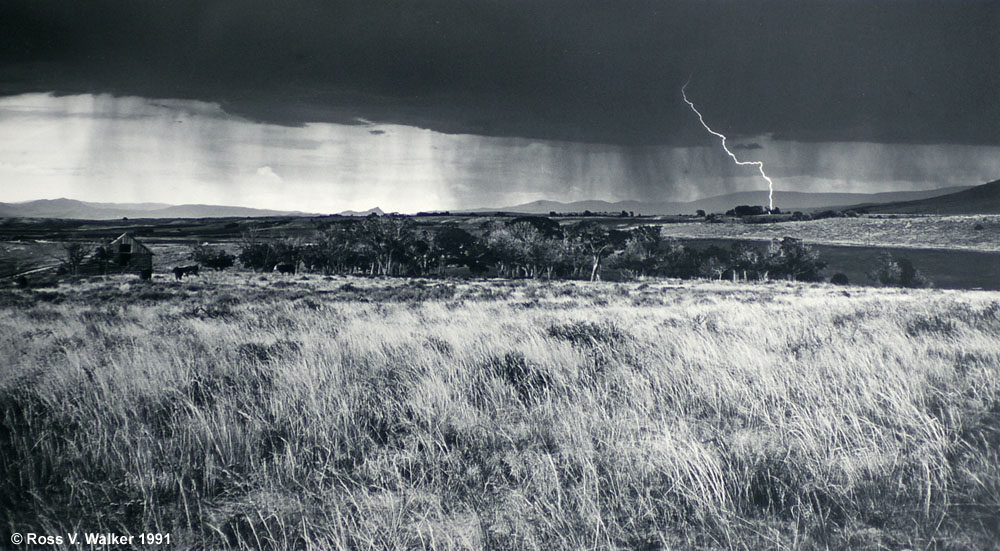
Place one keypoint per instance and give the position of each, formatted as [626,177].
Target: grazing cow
[181,271]
[285,268]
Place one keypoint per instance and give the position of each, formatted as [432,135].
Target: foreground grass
[237,412]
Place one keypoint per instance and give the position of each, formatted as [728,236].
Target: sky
[409,105]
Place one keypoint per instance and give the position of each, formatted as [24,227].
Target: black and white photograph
[350,275]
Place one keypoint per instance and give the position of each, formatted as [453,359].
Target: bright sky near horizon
[129,149]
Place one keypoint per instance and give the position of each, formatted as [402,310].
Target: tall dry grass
[235,412]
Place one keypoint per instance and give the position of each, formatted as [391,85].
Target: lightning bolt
[758,164]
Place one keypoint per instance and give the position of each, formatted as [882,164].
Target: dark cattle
[285,268]
[21,282]
[181,271]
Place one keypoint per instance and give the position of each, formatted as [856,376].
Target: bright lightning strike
[758,164]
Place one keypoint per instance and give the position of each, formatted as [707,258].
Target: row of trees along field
[525,247]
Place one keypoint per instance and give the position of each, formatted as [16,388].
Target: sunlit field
[971,233]
[244,411]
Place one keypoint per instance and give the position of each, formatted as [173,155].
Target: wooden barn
[128,254]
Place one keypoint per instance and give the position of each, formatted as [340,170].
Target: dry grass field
[261,412]
[897,231]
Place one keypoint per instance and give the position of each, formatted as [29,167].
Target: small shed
[129,254]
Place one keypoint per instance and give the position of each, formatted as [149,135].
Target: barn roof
[128,236]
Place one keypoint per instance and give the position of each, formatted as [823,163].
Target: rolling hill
[785,200]
[984,199]
[83,210]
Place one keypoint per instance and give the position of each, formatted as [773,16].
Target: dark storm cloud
[584,71]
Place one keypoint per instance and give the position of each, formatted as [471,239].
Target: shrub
[215,258]
[747,210]
[258,256]
[839,279]
[795,260]
[74,255]
[898,273]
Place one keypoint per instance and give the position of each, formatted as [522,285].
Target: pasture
[241,411]
[920,232]
[956,252]
[946,268]
[968,233]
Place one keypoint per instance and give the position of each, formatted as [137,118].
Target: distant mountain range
[785,200]
[82,210]
[984,199]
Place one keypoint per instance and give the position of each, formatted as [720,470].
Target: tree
[792,258]
[213,257]
[713,262]
[421,254]
[73,256]
[886,271]
[103,257]
[676,260]
[712,267]
[640,254]
[513,247]
[338,250]
[389,240]
[257,256]
[747,210]
[598,242]
[744,259]
[910,276]
[455,246]
[255,253]
[287,251]
[550,229]
[901,273]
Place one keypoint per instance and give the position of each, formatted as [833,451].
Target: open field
[898,231]
[946,268]
[960,252]
[927,231]
[248,411]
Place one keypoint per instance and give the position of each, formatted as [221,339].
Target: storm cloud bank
[130,149]
[581,71]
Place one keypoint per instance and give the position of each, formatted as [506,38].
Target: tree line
[522,247]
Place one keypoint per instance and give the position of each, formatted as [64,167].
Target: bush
[258,256]
[215,258]
[795,260]
[747,210]
[839,279]
[898,273]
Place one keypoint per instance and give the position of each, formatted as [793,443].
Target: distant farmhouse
[128,254]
